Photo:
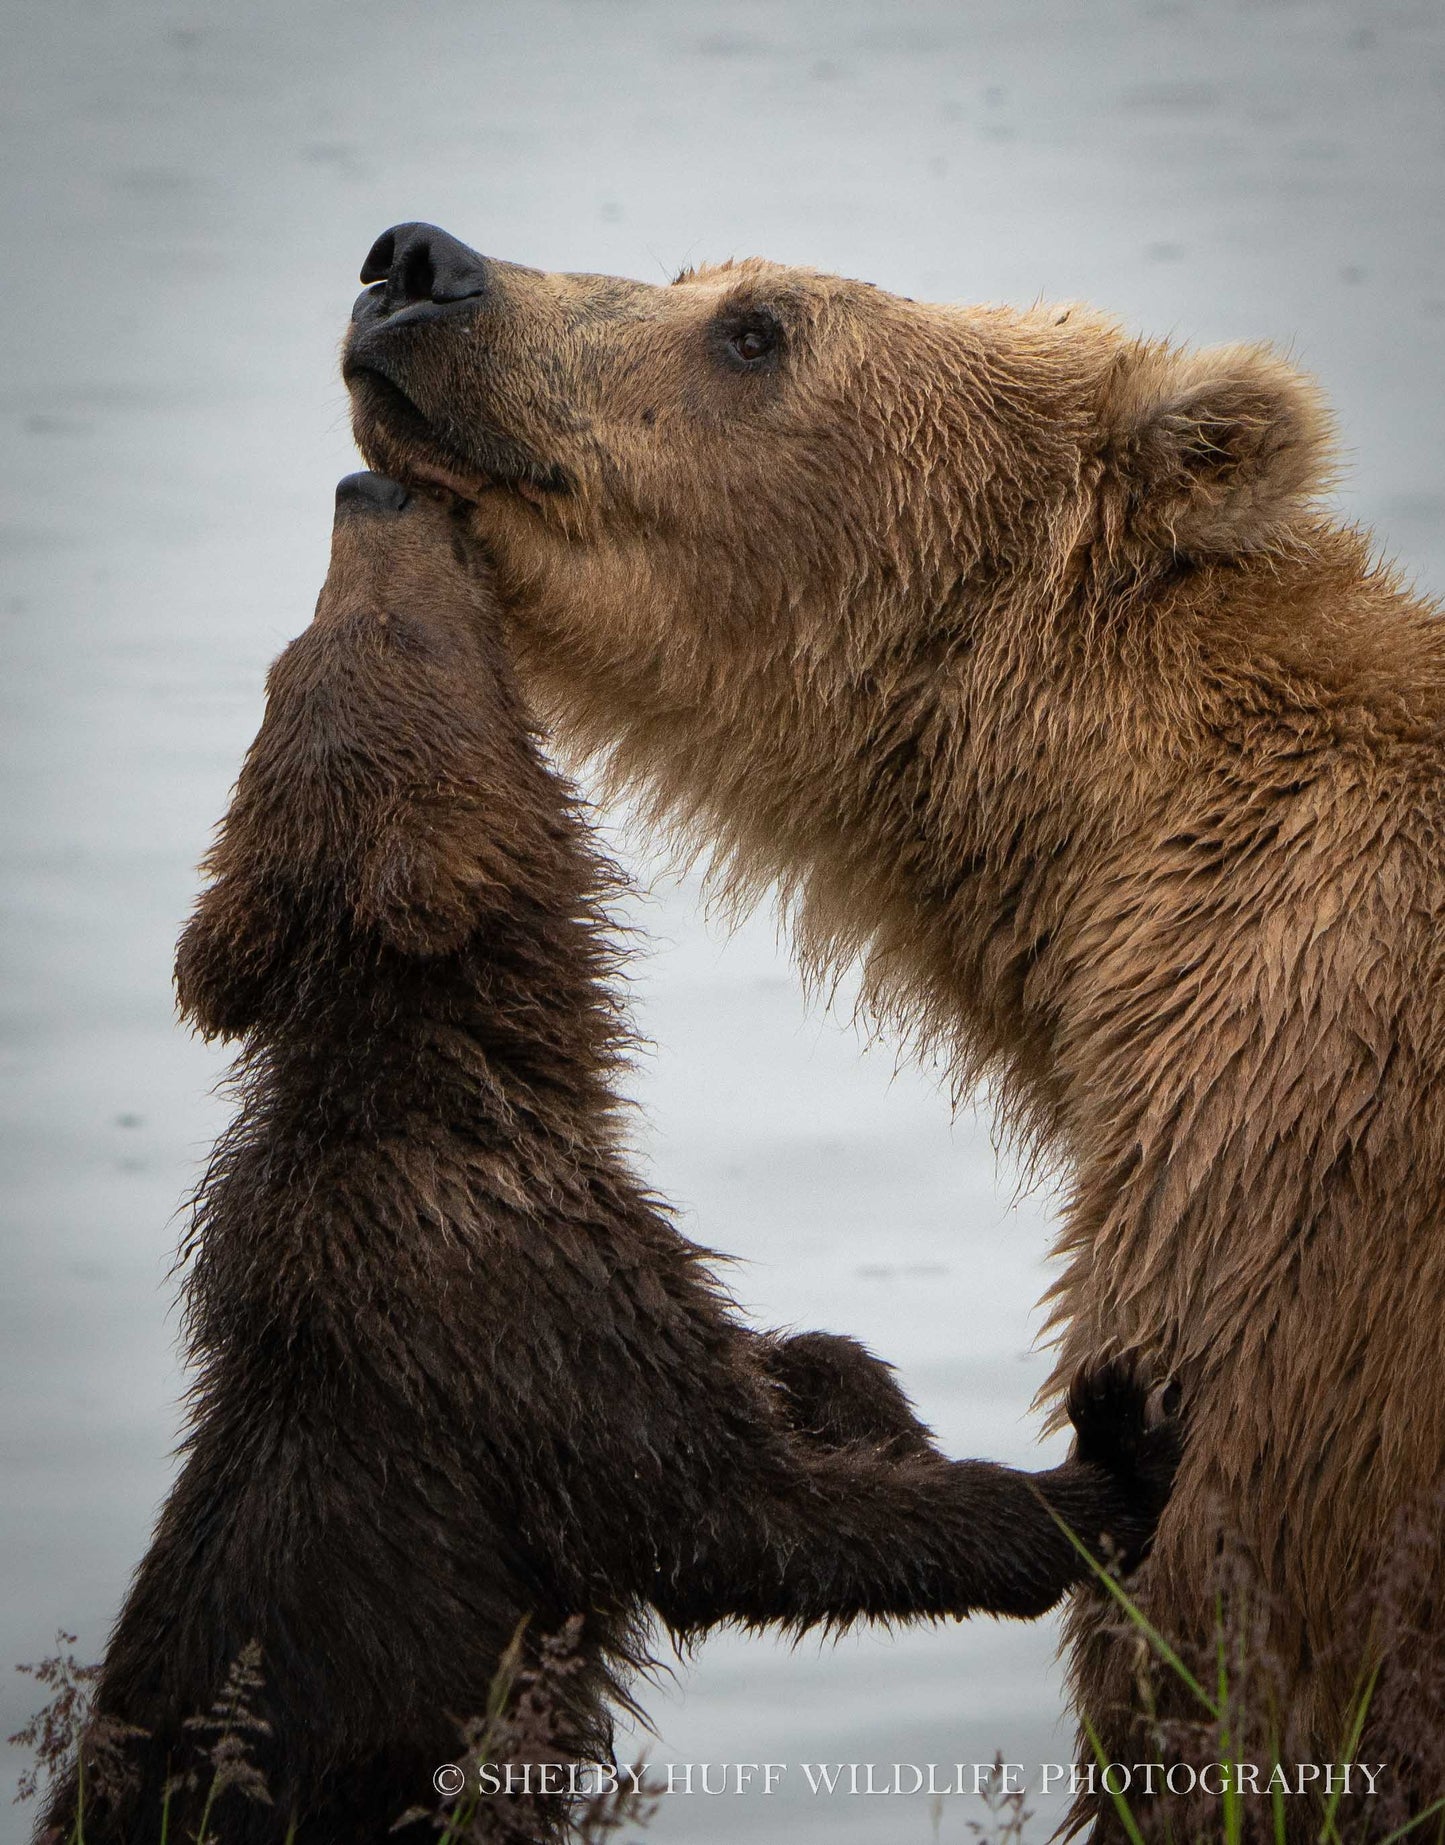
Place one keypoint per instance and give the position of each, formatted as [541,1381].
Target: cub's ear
[421,881]
[1210,454]
[415,884]
[230,952]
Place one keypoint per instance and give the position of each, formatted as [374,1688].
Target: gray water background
[188,190]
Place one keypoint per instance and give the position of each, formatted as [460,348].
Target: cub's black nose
[418,262]
[370,493]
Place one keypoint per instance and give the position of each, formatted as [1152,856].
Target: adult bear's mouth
[398,439]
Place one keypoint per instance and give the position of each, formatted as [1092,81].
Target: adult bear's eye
[752,343]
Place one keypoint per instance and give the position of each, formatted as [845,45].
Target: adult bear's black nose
[418,262]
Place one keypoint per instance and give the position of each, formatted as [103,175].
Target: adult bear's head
[731,445]
[765,531]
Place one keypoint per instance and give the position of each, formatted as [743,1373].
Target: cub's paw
[1131,1428]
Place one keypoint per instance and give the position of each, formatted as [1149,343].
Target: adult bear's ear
[1210,454]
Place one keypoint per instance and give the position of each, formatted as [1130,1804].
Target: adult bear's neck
[924,802]
[957,809]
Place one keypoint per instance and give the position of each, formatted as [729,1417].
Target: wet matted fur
[456,1369]
[1019,654]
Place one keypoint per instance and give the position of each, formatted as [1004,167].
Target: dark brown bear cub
[456,1368]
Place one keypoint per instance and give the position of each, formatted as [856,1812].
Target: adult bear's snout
[418,262]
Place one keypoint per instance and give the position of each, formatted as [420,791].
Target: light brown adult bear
[1018,654]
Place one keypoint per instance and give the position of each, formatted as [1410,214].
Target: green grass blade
[1436,1806]
[1233,1812]
[1329,1829]
[203,1831]
[1138,1617]
[1121,1805]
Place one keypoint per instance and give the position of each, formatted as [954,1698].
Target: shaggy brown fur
[456,1367]
[1017,653]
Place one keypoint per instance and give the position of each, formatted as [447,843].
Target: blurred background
[188,191]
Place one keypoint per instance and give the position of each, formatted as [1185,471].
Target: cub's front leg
[811,1533]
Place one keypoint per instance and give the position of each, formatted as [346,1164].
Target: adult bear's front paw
[1130,1427]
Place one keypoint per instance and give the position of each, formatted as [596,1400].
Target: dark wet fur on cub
[454,1365]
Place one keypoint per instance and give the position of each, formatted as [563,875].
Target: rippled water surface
[188,191]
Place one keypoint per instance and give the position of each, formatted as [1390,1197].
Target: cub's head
[393,792]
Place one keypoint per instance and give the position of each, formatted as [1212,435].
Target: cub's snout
[370,493]
[404,554]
